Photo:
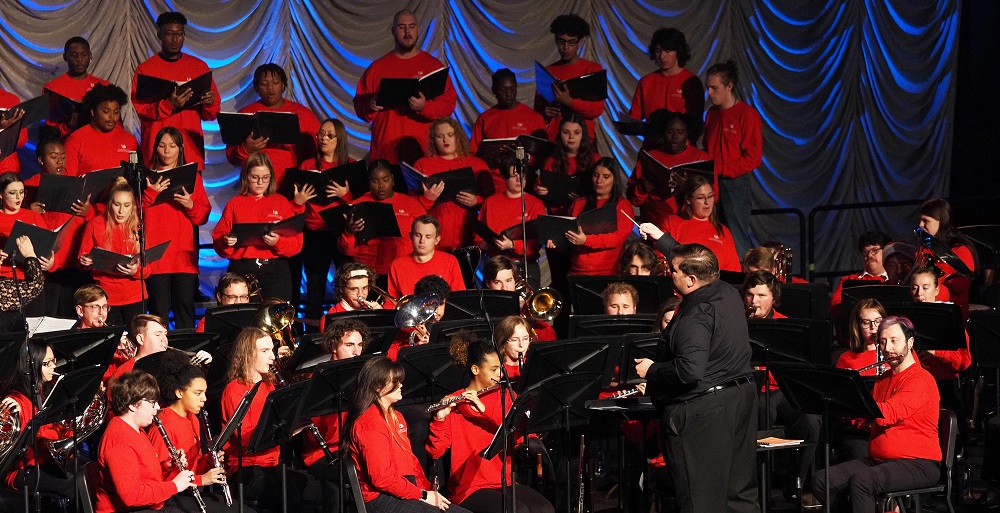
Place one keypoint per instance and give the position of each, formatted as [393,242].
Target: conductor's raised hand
[433,192]
[650,230]
[417,103]
[306,193]
[354,224]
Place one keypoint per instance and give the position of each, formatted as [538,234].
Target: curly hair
[333,336]
[105,93]
[670,39]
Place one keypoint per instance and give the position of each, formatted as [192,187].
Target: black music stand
[610,325]
[984,341]
[803,339]
[734,278]
[441,332]
[562,357]
[189,340]
[466,304]
[236,422]
[276,424]
[856,290]
[937,325]
[11,348]
[585,292]
[229,320]
[430,373]
[826,391]
[382,339]
[82,348]
[371,318]
[637,346]
[805,300]
[308,354]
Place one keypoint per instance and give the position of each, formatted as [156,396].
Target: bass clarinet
[175,456]
[215,457]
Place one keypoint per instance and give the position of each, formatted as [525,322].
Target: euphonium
[543,305]
[10,427]
[277,320]
[86,424]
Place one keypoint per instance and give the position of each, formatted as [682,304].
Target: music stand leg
[284,488]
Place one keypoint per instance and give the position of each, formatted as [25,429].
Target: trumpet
[455,399]
[175,456]
[206,426]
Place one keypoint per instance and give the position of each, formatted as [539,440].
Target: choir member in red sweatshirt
[258,203]
[425,260]
[503,210]
[870,245]
[597,253]
[399,132]
[671,86]
[905,452]
[501,273]
[116,231]
[173,279]
[380,253]
[674,149]
[936,220]
[180,110]
[270,82]
[351,285]
[575,155]
[392,479]
[102,144]
[733,139]
[570,31]
[12,191]
[449,150]
[467,426]
[509,117]
[130,477]
[74,84]
[8,119]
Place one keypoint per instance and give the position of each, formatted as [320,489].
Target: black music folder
[108,261]
[180,177]
[455,181]
[662,176]
[35,110]
[58,192]
[593,222]
[538,148]
[513,233]
[396,92]
[380,219]
[149,89]
[277,127]
[560,186]
[44,241]
[62,108]
[8,140]
[631,127]
[590,87]
[252,234]
[353,174]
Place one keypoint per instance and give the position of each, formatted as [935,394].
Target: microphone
[133,157]
[519,154]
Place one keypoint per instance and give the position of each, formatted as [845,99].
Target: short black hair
[570,25]
[727,71]
[75,40]
[495,264]
[434,284]
[47,135]
[872,238]
[764,278]
[169,18]
[336,330]
[668,39]
[503,73]
[270,69]
[105,93]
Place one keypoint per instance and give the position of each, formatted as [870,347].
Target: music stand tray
[371,318]
[229,320]
[189,340]
[430,373]
[562,357]
[610,325]
[465,304]
[277,419]
[805,300]
[856,290]
[637,346]
[561,402]
[585,292]
[803,340]
[308,354]
[329,385]
[382,339]
[937,325]
[83,348]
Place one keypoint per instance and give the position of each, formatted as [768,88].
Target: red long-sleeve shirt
[687,231]
[66,256]
[733,138]
[944,365]
[121,289]
[598,256]
[450,214]
[500,212]
[185,433]
[171,221]
[467,432]
[89,149]
[283,156]
[45,433]
[74,89]
[12,162]
[909,428]
[314,221]
[129,471]
[496,123]
[589,110]
[7,219]
[383,456]
[838,293]
[572,168]
[231,397]
[682,93]
[954,286]
[380,253]
[329,427]
[250,209]
[852,360]
[398,133]
[156,115]
[405,272]
[653,207]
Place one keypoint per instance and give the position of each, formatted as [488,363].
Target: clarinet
[175,456]
[311,426]
[215,457]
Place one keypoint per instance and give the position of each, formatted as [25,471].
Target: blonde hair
[132,224]
[243,356]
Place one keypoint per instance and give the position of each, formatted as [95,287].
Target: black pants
[489,500]
[328,481]
[272,276]
[262,485]
[386,503]
[865,480]
[185,503]
[710,446]
[59,289]
[319,249]
[122,315]
[173,292]
[46,482]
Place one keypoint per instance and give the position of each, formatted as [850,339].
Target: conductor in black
[702,382]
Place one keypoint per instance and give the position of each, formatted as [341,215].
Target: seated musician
[666,312]
[420,334]
[91,306]
[515,336]
[870,245]
[425,260]
[232,289]
[936,219]
[352,284]
[148,335]
[761,293]
[499,274]
[865,318]
[466,427]
[392,479]
[620,299]
[764,258]
[637,259]
[904,448]
[130,476]
[898,259]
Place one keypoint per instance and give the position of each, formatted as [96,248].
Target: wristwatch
[423,495]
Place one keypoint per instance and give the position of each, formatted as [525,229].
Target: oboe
[215,457]
[175,456]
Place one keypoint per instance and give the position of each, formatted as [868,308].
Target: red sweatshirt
[231,397]
[380,253]
[156,115]
[543,331]
[733,138]
[467,432]
[314,221]
[89,149]
[185,433]
[450,214]
[129,471]
[45,433]
[170,221]
[682,93]
[653,207]
[25,215]
[121,289]
[398,133]
[249,209]
[500,212]
[838,293]
[496,123]
[571,165]
[405,272]
[955,285]
[12,162]
[341,306]
[944,365]
[909,428]
[598,256]
[66,256]
[74,89]
[329,427]
[283,156]
[384,457]
[852,360]
[687,231]
[589,110]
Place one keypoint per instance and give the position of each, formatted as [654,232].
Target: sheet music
[48,324]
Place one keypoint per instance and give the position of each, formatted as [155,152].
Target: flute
[448,401]
[887,361]
[215,457]
[175,456]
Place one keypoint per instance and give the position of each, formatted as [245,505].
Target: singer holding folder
[74,84]
[12,189]
[570,31]
[7,100]
[103,144]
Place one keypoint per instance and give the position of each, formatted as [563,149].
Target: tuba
[10,427]
[543,305]
[87,423]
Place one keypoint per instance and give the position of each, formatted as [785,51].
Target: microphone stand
[519,167]
[505,389]
[135,175]
[36,393]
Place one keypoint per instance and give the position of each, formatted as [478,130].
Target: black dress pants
[865,480]
[173,292]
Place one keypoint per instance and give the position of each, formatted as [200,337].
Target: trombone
[543,305]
